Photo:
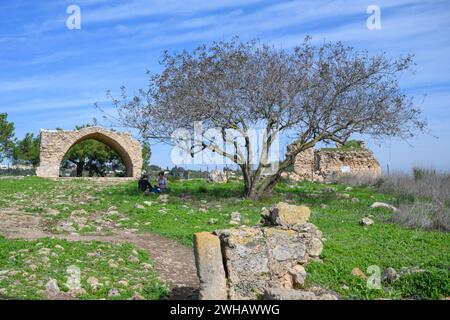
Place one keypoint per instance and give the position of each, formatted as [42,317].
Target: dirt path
[174,262]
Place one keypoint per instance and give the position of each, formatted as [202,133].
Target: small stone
[212,221]
[76,292]
[52,286]
[366,221]
[324,206]
[164,198]
[146,266]
[139,206]
[148,203]
[136,296]
[235,218]
[389,275]
[93,283]
[358,273]
[122,283]
[113,293]
[51,212]
[355,200]
[344,287]
[133,259]
[315,248]
[298,274]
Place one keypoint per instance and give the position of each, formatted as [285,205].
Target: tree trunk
[80,168]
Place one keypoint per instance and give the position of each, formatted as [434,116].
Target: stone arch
[56,143]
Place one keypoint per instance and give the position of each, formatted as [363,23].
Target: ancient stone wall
[249,262]
[319,165]
[56,143]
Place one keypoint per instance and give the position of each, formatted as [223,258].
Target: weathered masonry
[56,143]
[322,164]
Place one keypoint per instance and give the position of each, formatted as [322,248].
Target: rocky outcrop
[270,255]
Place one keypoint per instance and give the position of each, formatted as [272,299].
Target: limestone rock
[235,218]
[51,211]
[93,283]
[287,215]
[358,273]
[389,275]
[212,221]
[315,247]
[164,198]
[384,205]
[298,274]
[113,293]
[210,270]
[52,286]
[366,221]
[217,176]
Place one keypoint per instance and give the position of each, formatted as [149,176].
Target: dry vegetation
[423,197]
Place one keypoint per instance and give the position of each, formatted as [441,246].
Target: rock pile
[217,176]
[248,262]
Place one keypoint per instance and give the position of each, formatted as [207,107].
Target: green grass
[193,203]
[25,269]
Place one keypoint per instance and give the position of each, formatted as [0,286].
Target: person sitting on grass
[144,185]
[161,182]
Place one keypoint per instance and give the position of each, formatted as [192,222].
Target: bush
[432,284]
[17,172]
[424,215]
[423,197]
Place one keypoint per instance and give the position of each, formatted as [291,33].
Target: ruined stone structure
[56,143]
[249,262]
[322,164]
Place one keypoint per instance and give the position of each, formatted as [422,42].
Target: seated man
[143,184]
[161,182]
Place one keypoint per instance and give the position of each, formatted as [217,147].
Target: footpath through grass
[195,206]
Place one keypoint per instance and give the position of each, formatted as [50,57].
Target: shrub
[430,284]
[426,215]
[423,197]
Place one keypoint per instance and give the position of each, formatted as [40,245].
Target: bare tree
[310,94]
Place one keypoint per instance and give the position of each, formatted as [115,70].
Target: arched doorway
[55,144]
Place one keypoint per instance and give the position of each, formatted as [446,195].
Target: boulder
[384,205]
[217,176]
[210,270]
[287,215]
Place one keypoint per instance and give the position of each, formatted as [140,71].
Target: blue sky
[51,76]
